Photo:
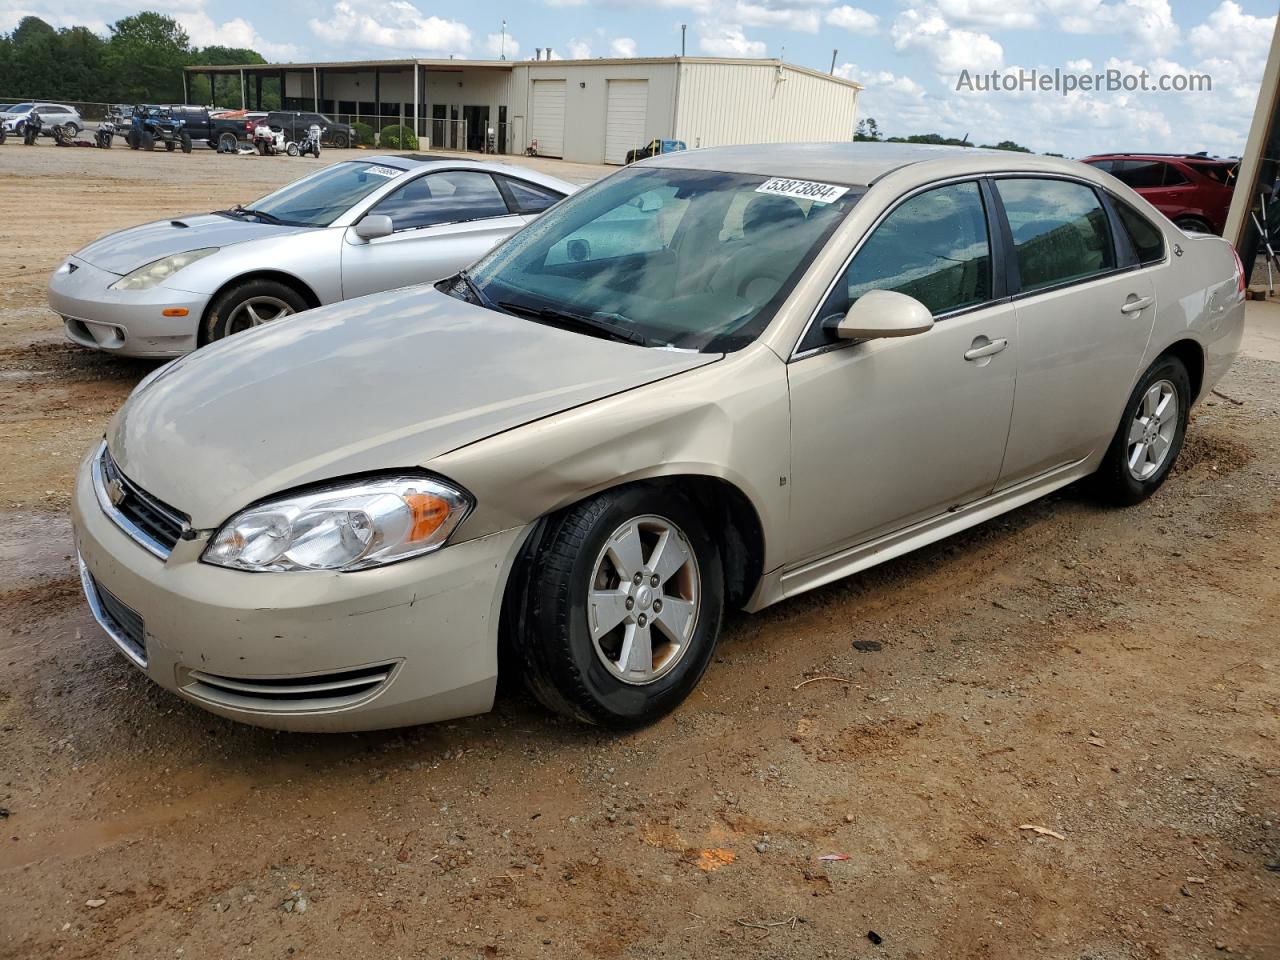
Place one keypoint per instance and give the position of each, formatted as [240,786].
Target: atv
[151,124]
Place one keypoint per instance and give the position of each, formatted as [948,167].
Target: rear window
[1220,172]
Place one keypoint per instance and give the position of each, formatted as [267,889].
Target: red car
[1192,190]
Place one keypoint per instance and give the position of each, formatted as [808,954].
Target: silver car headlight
[148,275]
[354,526]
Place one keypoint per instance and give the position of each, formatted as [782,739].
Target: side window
[933,247]
[1140,174]
[449,197]
[529,198]
[1060,231]
[1147,239]
[1107,165]
[1173,177]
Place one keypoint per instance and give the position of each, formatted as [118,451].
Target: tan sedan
[716,378]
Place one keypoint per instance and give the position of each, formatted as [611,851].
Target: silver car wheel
[1155,423]
[642,603]
[256,311]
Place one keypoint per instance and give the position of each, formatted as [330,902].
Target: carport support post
[315,87]
[415,99]
[184,86]
[242,100]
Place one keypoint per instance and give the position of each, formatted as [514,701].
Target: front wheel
[250,304]
[622,607]
[133,139]
[186,143]
[1150,435]
[291,149]
[341,141]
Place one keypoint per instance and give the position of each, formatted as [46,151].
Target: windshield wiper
[260,214]
[595,325]
[473,288]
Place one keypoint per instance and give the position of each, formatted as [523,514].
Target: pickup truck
[295,123]
[197,122]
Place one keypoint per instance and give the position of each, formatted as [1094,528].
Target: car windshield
[21,107]
[318,200]
[694,259]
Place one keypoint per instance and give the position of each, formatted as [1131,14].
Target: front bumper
[412,642]
[128,322]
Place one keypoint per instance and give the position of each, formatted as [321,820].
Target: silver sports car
[357,227]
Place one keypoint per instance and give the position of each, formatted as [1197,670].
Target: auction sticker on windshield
[802,189]
[389,172]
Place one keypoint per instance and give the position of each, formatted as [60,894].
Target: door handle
[982,347]
[1136,306]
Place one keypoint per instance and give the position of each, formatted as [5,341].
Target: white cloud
[1229,30]
[854,19]
[804,19]
[950,49]
[391,23]
[1149,24]
[579,50]
[497,45]
[622,47]
[728,40]
[204,31]
[1082,65]
[996,14]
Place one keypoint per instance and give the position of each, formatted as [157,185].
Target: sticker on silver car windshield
[384,171]
[802,189]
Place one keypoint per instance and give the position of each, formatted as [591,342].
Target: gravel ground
[1109,677]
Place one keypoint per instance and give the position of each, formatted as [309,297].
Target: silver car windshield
[318,200]
[694,259]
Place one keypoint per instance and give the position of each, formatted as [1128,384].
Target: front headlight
[349,527]
[146,277]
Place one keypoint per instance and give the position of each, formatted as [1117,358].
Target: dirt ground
[1109,677]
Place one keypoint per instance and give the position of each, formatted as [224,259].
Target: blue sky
[908,53]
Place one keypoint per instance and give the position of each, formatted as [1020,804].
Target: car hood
[127,250]
[385,382]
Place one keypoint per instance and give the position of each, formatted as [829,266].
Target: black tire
[228,142]
[4,134]
[186,143]
[552,640]
[133,139]
[73,129]
[222,310]
[315,150]
[169,145]
[341,141]
[146,141]
[1192,225]
[1115,482]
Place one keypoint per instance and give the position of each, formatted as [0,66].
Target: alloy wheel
[256,311]
[643,599]
[1151,434]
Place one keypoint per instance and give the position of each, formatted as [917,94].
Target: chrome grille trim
[168,526]
[120,622]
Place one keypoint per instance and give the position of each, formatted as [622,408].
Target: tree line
[869,131]
[140,60]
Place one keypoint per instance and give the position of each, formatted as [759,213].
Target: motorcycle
[105,134]
[31,129]
[310,144]
[268,142]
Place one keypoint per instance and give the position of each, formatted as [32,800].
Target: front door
[443,221]
[1079,322]
[887,432]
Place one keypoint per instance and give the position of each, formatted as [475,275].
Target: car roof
[420,161]
[857,164]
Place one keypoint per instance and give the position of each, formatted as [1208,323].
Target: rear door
[443,221]
[1084,316]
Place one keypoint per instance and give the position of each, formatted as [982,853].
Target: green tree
[868,131]
[227,88]
[1006,145]
[82,71]
[145,56]
[30,64]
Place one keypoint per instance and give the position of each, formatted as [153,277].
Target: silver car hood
[384,382]
[127,250]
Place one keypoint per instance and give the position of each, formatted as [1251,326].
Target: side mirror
[883,313]
[578,249]
[374,226]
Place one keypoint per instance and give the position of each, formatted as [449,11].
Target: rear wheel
[250,304]
[1192,225]
[186,143]
[133,139]
[147,141]
[622,607]
[341,141]
[291,149]
[169,145]
[228,142]
[1147,443]
[72,128]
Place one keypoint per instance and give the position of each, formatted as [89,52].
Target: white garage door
[624,129]
[548,117]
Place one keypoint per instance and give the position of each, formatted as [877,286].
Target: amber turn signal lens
[429,512]
[174,311]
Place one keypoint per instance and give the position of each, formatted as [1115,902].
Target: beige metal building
[589,111]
